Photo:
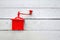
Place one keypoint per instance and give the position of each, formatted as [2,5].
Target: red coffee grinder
[18,22]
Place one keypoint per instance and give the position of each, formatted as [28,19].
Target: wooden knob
[30,12]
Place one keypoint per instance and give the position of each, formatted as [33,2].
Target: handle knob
[30,12]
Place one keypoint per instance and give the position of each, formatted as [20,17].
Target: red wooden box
[18,24]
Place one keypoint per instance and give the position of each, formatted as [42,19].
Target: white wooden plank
[5,25]
[37,13]
[19,3]
[34,25]
[44,25]
[49,3]
[29,3]
[29,35]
